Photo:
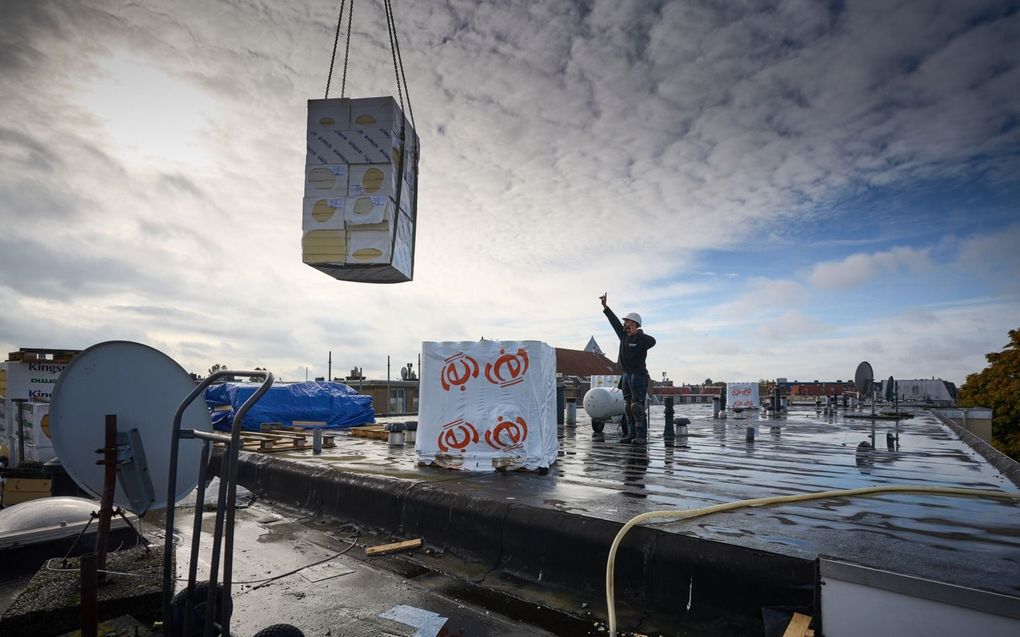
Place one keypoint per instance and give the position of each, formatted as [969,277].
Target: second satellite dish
[863,378]
[142,387]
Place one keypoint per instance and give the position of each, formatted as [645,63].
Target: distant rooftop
[572,362]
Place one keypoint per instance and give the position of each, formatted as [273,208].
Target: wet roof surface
[337,593]
[966,541]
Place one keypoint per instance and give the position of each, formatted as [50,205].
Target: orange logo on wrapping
[509,369]
[458,370]
[457,435]
[508,434]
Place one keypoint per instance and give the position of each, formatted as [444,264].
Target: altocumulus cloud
[858,269]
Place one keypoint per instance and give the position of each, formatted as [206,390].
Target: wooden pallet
[375,432]
[282,440]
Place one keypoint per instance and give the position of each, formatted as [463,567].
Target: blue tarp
[336,404]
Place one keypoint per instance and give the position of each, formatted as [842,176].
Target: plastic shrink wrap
[488,405]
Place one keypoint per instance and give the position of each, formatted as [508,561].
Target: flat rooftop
[965,541]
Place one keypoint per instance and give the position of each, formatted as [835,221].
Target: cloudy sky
[781,189]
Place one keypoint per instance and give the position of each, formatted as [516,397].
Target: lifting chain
[398,63]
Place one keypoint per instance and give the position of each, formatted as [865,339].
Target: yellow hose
[729,506]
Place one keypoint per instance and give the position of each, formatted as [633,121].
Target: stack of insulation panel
[361,178]
[488,405]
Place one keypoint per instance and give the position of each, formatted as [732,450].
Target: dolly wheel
[200,599]
[280,630]
[597,425]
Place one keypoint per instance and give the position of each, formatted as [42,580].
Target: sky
[780,189]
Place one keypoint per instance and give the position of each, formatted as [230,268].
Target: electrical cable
[686,514]
[260,582]
[267,580]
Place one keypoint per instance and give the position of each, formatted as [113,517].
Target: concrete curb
[654,568]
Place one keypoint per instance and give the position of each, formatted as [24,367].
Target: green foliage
[998,387]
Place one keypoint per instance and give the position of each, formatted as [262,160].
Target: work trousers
[635,390]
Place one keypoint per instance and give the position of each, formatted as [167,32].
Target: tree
[708,381]
[998,388]
[217,368]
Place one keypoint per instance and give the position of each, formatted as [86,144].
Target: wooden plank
[798,626]
[284,435]
[384,549]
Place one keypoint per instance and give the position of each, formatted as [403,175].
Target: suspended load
[361,176]
[361,182]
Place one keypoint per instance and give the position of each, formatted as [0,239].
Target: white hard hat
[633,316]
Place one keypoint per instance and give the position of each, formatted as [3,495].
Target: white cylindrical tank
[603,403]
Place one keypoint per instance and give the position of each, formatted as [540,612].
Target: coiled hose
[781,499]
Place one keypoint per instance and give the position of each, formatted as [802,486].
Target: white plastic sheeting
[487,405]
[742,396]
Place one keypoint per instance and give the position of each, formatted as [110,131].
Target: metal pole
[668,432]
[21,432]
[387,384]
[329,373]
[109,463]
[89,609]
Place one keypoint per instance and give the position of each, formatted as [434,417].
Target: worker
[634,346]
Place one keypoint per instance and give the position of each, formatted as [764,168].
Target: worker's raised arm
[615,322]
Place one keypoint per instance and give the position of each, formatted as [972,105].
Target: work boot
[626,433]
[641,434]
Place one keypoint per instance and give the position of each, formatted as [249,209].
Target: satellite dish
[403,373]
[143,387]
[863,378]
[890,389]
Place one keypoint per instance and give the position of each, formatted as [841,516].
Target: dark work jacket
[633,349]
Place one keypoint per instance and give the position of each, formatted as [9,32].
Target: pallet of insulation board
[35,357]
